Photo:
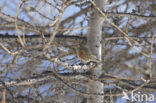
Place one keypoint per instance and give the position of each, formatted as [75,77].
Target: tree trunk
[94,37]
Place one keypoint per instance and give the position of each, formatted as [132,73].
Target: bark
[94,38]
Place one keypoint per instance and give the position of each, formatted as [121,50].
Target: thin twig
[4,96]
[18,34]
[56,28]
[150,58]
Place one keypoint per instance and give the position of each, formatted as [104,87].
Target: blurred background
[28,76]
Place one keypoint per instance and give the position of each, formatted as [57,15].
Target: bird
[85,54]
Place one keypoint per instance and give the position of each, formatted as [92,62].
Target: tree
[39,40]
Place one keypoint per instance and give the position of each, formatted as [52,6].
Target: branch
[130,15]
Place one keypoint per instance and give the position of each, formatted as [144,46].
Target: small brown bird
[85,54]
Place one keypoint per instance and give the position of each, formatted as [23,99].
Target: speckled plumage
[85,54]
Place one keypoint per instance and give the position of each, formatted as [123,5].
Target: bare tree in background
[39,40]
